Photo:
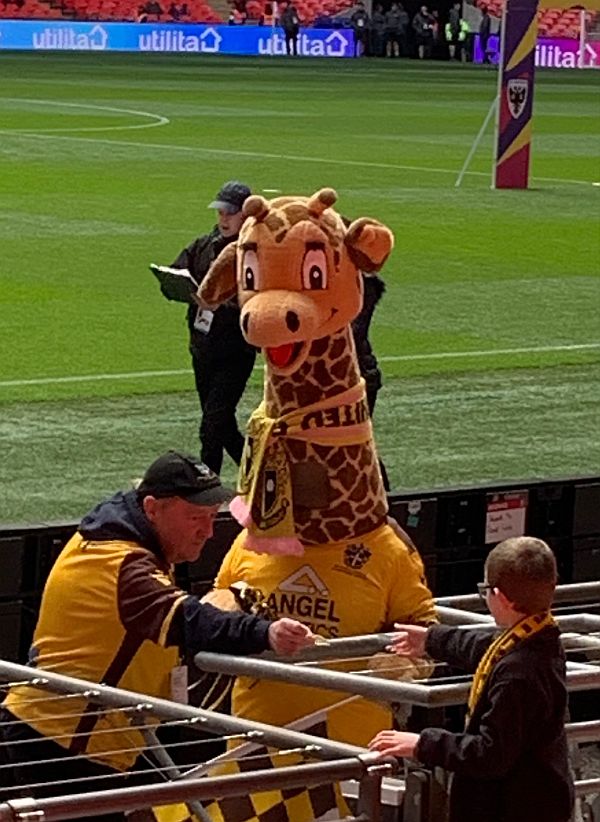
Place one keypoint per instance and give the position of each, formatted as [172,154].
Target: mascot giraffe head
[296,271]
[309,474]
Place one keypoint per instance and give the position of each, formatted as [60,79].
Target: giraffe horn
[323,199]
[256,206]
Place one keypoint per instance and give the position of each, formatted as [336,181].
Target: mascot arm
[410,599]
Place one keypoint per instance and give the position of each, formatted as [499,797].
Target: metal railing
[194,784]
[316,760]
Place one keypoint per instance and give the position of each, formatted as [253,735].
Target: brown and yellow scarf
[508,639]
[265,480]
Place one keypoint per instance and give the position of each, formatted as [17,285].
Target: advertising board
[68,35]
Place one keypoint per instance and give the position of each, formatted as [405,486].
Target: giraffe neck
[330,368]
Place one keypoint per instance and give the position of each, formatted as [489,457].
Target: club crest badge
[355,556]
[517,92]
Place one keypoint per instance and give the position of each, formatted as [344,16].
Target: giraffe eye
[250,271]
[314,270]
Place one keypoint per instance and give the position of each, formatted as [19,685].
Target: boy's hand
[394,743]
[286,636]
[409,641]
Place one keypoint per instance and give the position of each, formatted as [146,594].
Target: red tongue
[281,354]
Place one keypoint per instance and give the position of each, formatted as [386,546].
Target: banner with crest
[515,94]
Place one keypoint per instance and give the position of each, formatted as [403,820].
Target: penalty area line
[179,372]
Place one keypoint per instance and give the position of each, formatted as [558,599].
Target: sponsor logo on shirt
[304,596]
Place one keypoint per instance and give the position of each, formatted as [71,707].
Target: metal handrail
[572,592]
[165,709]
[578,678]
[367,765]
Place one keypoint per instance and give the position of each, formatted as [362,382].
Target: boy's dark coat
[511,763]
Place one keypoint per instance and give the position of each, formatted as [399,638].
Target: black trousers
[291,42]
[220,383]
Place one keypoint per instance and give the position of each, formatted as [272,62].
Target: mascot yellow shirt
[355,587]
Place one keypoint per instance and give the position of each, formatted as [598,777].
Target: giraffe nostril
[245,323]
[292,321]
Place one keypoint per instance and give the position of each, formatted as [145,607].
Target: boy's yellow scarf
[336,421]
[508,639]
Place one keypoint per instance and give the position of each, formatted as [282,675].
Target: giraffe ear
[220,284]
[369,244]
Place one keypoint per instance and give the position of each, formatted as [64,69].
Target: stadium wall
[454,529]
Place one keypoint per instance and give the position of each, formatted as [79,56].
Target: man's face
[229,224]
[181,526]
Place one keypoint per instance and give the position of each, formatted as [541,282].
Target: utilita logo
[70,39]
[551,52]
[335,45]
[547,56]
[208,42]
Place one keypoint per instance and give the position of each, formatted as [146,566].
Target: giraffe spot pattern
[358,504]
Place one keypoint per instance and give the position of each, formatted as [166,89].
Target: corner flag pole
[476,142]
[516,77]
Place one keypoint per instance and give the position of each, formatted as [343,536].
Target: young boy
[510,764]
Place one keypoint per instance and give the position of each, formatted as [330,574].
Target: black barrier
[453,528]
[426,798]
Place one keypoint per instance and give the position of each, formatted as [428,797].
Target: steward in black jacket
[221,357]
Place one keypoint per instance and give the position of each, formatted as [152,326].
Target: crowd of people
[111,613]
[386,32]
[392,33]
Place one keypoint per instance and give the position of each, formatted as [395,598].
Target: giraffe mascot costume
[317,542]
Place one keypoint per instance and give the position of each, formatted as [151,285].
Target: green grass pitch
[489,334]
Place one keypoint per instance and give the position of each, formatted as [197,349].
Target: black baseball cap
[231,197]
[182,475]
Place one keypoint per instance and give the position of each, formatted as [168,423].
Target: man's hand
[286,636]
[394,743]
[409,641]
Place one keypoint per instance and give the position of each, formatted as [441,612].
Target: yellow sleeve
[410,599]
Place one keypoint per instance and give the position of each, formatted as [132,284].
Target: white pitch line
[135,375]
[295,158]
[493,352]
[131,375]
[157,119]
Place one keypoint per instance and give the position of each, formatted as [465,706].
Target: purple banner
[515,94]
[550,52]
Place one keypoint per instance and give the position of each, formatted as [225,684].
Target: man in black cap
[221,358]
[111,613]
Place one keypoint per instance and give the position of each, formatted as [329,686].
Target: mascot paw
[240,597]
[222,598]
